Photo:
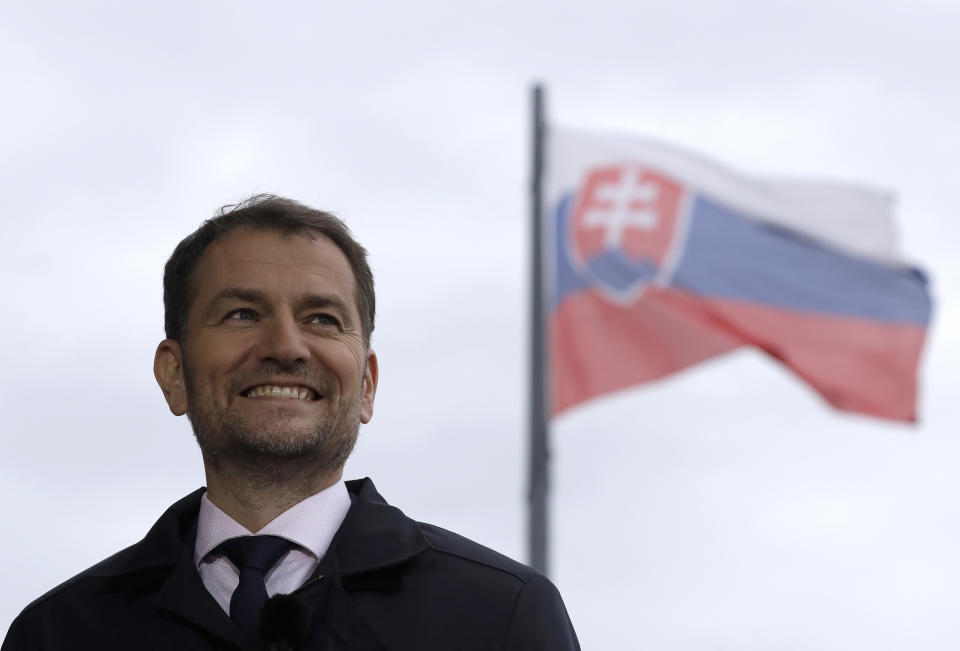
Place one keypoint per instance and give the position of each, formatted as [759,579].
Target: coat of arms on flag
[623,226]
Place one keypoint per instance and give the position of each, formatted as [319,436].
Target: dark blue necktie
[253,556]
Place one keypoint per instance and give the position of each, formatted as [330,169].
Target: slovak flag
[662,259]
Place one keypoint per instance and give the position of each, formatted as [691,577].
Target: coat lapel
[336,624]
[183,596]
[162,563]
[367,554]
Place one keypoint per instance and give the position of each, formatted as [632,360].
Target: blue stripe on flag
[730,256]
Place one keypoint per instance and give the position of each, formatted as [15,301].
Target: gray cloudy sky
[724,508]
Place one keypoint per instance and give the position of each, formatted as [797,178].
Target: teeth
[274,391]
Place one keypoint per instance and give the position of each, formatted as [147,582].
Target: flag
[663,259]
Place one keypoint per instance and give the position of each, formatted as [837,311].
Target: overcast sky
[726,508]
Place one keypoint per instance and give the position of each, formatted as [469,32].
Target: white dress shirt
[311,524]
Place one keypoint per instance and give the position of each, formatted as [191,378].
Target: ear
[168,369]
[368,389]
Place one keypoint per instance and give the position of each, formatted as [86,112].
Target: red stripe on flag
[598,346]
[859,365]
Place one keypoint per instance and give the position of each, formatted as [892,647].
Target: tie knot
[258,553]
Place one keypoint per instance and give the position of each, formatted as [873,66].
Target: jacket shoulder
[129,570]
[489,599]
[68,607]
[463,549]
[107,566]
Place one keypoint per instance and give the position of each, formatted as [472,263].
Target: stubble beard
[274,453]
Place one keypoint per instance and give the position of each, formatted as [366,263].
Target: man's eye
[324,319]
[243,314]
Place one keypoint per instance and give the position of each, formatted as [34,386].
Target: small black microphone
[286,623]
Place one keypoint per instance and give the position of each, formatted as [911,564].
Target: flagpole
[539,448]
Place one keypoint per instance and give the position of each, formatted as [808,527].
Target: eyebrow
[317,301]
[236,294]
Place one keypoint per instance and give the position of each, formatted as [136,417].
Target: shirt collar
[311,523]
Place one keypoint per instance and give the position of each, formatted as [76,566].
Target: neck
[254,500]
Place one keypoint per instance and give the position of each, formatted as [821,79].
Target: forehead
[273,262]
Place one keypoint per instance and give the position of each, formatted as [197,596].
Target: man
[269,308]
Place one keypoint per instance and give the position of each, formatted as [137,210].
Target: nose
[282,341]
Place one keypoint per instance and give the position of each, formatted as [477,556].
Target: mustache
[268,370]
[275,367]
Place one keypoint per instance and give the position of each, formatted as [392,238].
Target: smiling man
[269,310]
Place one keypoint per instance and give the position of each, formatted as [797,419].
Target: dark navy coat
[387,583]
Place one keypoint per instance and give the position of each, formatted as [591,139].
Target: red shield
[623,225]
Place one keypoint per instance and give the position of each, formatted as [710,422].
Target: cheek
[206,373]
[358,356]
[216,358]
[344,355]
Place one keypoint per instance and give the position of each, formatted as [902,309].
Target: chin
[247,444]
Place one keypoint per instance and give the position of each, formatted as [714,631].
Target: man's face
[273,363]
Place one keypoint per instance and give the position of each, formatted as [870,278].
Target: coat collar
[374,535]
[164,544]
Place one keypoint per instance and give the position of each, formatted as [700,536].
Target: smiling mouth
[277,391]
